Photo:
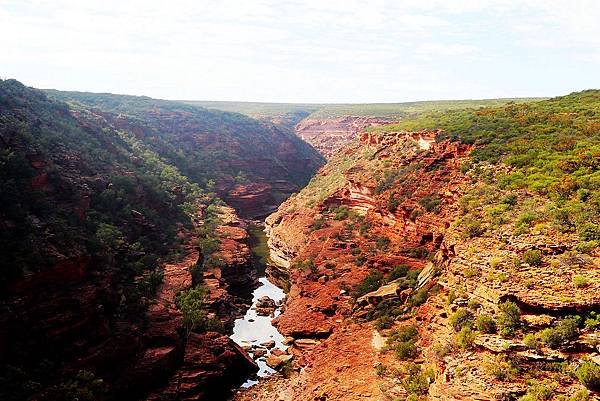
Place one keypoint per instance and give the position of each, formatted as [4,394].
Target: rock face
[253,164]
[83,251]
[210,363]
[321,311]
[329,136]
[354,221]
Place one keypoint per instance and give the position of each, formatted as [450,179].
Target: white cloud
[293,50]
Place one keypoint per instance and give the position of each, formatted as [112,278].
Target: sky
[341,51]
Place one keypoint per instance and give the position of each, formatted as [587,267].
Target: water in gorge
[254,331]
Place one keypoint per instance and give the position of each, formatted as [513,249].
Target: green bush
[398,271]
[589,232]
[191,304]
[461,318]
[501,368]
[589,375]
[405,350]
[485,324]
[340,213]
[392,204]
[416,381]
[370,283]
[419,297]
[531,341]
[465,338]
[472,228]
[539,391]
[431,203]
[84,387]
[509,199]
[382,243]
[533,257]
[567,329]
[508,318]
[580,282]
[404,333]
[318,224]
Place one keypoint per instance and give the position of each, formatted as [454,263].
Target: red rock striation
[320,304]
[329,136]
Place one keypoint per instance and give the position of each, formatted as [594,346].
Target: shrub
[461,318]
[355,251]
[430,203]
[580,282]
[539,391]
[531,341]
[509,199]
[465,338]
[404,333]
[110,236]
[587,246]
[150,284]
[392,204]
[494,262]
[500,368]
[318,224]
[473,228]
[360,260]
[370,283]
[589,232]
[592,321]
[418,252]
[417,380]
[565,330]
[532,257]
[485,324]
[589,375]
[382,242]
[191,305]
[405,350]
[384,322]
[419,297]
[84,387]
[526,218]
[398,271]
[508,318]
[341,212]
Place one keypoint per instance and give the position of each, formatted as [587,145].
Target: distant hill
[225,147]
[336,110]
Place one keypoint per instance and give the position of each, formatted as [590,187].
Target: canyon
[329,136]
[421,261]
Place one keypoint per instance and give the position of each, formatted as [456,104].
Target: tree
[191,305]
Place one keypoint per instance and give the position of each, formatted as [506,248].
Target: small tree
[191,305]
[589,375]
[509,318]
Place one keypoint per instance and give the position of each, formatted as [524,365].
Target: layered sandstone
[417,206]
[329,136]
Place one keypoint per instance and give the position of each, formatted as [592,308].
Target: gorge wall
[417,272]
[121,268]
[329,136]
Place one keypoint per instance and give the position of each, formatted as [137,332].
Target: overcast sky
[305,50]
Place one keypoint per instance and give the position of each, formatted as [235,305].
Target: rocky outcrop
[325,266]
[211,364]
[254,200]
[199,366]
[329,136]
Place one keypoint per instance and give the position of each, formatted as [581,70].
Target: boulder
[265,306]
[277,362]
[385,292]
[268,344]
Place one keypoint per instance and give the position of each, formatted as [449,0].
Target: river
[252,329]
